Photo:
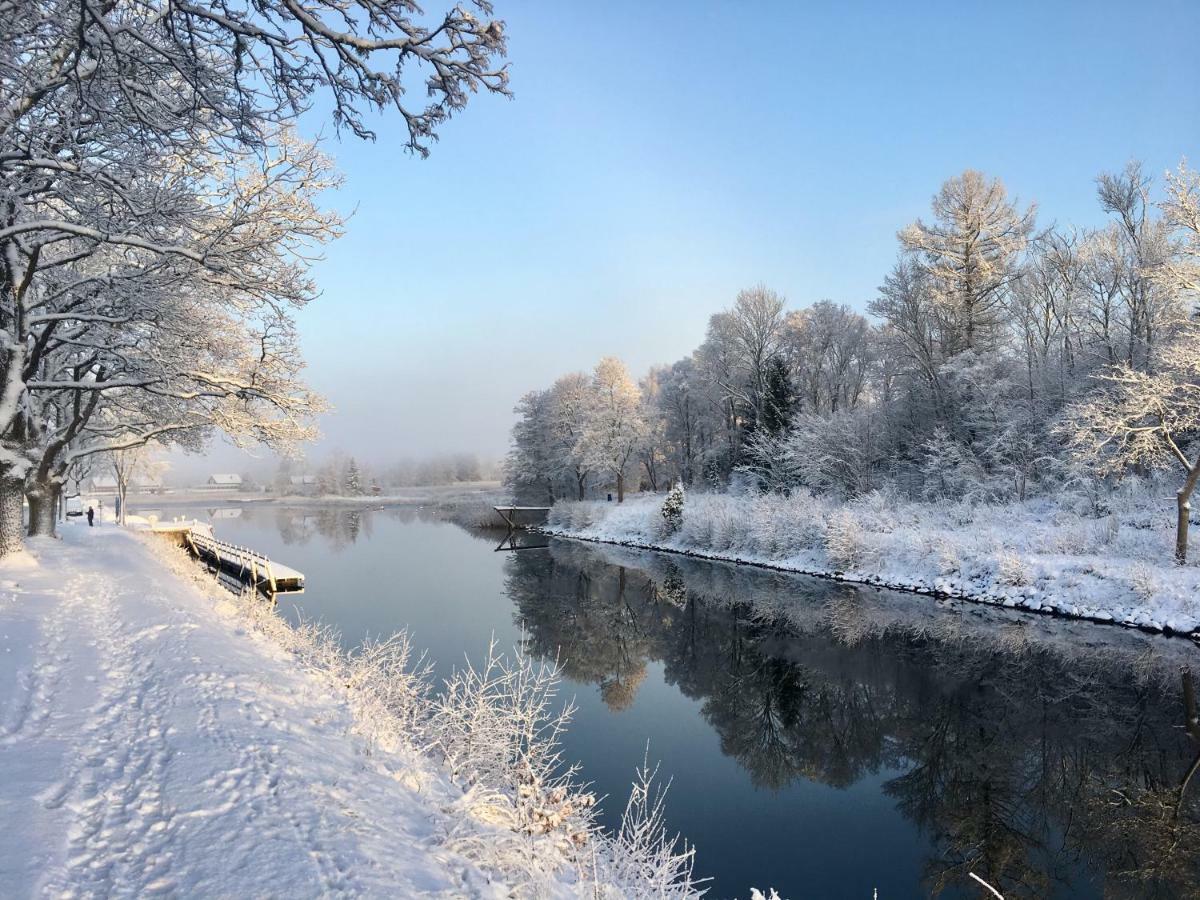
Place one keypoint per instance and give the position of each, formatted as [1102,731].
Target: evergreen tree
[780,398]
[353,479]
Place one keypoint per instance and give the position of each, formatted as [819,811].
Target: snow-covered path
[151,746]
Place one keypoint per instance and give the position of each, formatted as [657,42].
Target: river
[821,739]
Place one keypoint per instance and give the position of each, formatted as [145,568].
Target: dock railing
[246,564]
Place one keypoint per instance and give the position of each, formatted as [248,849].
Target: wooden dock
[241,564]
[517,517]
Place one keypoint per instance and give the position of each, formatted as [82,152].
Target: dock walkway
[241,563]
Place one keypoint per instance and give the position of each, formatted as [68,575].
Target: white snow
[156,741]
[1039,555]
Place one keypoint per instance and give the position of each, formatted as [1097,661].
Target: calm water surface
[820,739]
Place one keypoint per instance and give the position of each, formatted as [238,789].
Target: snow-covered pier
[516,517]
[245,565]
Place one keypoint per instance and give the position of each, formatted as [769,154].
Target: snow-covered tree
[570,404]
[615,428]
[829,350]
[152,344]
[533,459]
[1147,419]
[1180,272]
[136,143]
[736,357]
[654,451]
[970,253]
[128,465]
[352,481]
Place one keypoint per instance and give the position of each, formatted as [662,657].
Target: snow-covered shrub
[940,554]
[836,454]
[494,722]
[875,510]
[845,543]
[567,515]
[672,509]
[771,462]
[1010,569]
[712,521]
[641,853]
[1073,537]
[960,513]
[1143,582]
[388,689]
[726,525]
[1105,532]
[804,521]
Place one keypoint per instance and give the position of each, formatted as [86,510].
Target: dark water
[820,739]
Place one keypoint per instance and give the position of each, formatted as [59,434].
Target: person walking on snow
[91,515]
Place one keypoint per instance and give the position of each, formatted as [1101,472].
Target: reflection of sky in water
[797,761]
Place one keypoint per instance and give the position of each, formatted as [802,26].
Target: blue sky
[657,157]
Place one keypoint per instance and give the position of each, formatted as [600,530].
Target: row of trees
[158,213]
[344,475]
[995,359]
[582,432]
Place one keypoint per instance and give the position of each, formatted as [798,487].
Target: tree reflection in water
[1038,754]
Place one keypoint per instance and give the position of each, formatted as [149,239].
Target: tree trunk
[1183,512]
[12,496]
[43,505]
[620,487]
[649,467]
[581,482]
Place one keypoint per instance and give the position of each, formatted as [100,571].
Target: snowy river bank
[1034,557]
[161,737]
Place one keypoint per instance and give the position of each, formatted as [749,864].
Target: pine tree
[779,400]
[353,479]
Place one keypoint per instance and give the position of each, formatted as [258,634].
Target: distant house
[302,484]
[224,482]
[147,485]
[102,484]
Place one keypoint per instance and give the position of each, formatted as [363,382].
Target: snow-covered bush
[1143,582]
[845,542]
[836,454]
[875,510]
[388,688]
[644,854]
[940,555]
[1010,569]
[672,509]
[495,722]
[951,470]
[771,462]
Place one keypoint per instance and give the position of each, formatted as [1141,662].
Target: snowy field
[1040,555]
[160,737]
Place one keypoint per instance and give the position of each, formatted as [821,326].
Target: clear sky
[657,157]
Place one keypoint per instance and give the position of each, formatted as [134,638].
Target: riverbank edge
[877,581]
[609,858]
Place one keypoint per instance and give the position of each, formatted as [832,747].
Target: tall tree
[970,252]
[570,405]
[615,427]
